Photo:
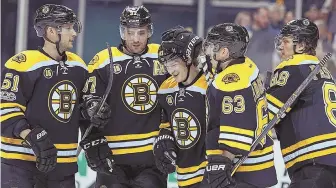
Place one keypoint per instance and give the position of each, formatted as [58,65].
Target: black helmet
[179,42]
[301,30]
[228,35]
[54,16]
[135,16]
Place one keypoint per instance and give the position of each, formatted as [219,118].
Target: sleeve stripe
[229,129]
[274,100]
[191,169]
[12,105]
[8,116]
[272,108]
[239,138]
[214,152]
[164,125]
[274,104]
[9,110]
[237,145]
[127,137]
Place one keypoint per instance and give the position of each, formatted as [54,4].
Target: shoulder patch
[94,60]
[20,58]
[230,78]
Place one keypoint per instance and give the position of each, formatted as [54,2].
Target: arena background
[100,19]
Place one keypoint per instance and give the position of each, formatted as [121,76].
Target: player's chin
[70,46]
[178,78]
[137,50]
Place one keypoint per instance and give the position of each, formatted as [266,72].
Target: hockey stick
[268,79]
[106,94]
[282,112]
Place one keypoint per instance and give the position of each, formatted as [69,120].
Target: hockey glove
[218,171]
[90,108]
[98,153]
[44,150]
[164,149]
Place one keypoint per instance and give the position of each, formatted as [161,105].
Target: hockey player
[135,113]
[182,98]
[40,94]
[237,113]
[307,133]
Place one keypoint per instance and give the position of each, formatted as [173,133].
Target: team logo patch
[186,127]
[61,100]
[230,78]
[139,93]
[306,22]
[229,28]
[47,73]
[170,100]
[117,68]
[94,60]
[20,58]
[45,9]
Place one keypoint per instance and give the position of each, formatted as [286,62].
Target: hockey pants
[13,176]
[314,176]
[127,176]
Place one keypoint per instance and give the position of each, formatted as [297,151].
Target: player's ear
[224,53]
[300,47]
[49,31]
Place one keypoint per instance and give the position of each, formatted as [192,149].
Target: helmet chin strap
[56,44]
[188,66]
[219,62]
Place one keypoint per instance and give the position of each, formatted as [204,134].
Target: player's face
[285,47]
[215,52]
[68,34]
[136,39]
[177,68]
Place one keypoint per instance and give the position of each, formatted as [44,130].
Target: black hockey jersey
[308,132]
[237,115]
[184,114]
[133,100]
[39,91]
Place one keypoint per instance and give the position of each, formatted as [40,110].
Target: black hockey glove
[43,148]
[89,111]
[218,171]
[164,149]
[98,153]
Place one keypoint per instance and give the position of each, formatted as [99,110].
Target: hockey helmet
[134,17]
[54,16]
[179,43]
[302,31]
[228,35]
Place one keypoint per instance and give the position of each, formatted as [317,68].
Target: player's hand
[218,171]
[98,153]
[89,111]
[43,148]
[164,149]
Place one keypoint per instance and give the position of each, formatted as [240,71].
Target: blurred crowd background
[100,19]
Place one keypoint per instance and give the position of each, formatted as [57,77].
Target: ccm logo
[39,135]
[215,167]
[94,143]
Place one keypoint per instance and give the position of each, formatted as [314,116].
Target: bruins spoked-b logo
[62,99]
[139,93]
[187,129]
